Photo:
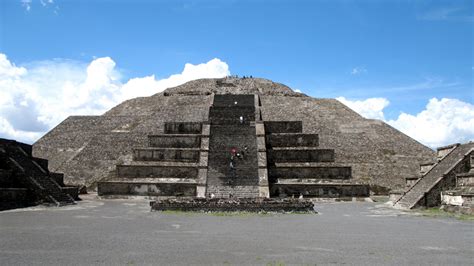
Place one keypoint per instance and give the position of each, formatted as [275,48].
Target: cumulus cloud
[36,97]
[442,122]
[369,108]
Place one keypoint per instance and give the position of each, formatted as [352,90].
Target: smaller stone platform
[231,205]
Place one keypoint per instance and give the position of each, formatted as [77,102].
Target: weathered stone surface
[183,127]
[377,153]
[426,192]
[336,190]
[166,154]
[229,205]
[293,140]
[26,180]
[86,149]
[146,189]
[175,141]
[227,134]
[301,155]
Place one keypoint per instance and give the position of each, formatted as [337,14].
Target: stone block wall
[446,182]
[160,154]
[174,141]
[148,189]
[139,171]
[324,172]
[301,155]
[174,164]
[377,153]
[292,139]
[325,191]
[183,128]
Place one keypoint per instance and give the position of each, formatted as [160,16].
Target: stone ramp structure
[426,191]
[88,148]
[26,180]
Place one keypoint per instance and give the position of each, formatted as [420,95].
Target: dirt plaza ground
[126,232]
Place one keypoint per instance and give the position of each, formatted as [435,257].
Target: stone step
[232,118]
[174,141]
[300,155]
[292,140]
[324,190]
[227,133]
[166,154]
[58,178]
[153,170]
[156,180]
[283,127]
[146,188]
[308,171]
[183,127]
[295,181]
[244,159]
[42,162]
[35,176]
[234,113]
[232,100]
[237,129]
[233,191]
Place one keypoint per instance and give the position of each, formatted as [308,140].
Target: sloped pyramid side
[378,154]
[87,148]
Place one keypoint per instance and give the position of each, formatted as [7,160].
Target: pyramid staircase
[27,180]
[442,176]
[232,119]
[297,166]
[193,159]
[172,165]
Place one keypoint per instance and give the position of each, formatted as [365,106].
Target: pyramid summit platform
[281,143]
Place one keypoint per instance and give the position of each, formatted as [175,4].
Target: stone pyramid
[179,143]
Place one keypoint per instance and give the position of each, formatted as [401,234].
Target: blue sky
[406,52]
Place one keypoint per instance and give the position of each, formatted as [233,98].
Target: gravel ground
[125,232]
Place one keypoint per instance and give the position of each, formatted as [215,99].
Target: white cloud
[442,121]
[358,70]
[26,4]
[369,108]
[46,2]
[38,96]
